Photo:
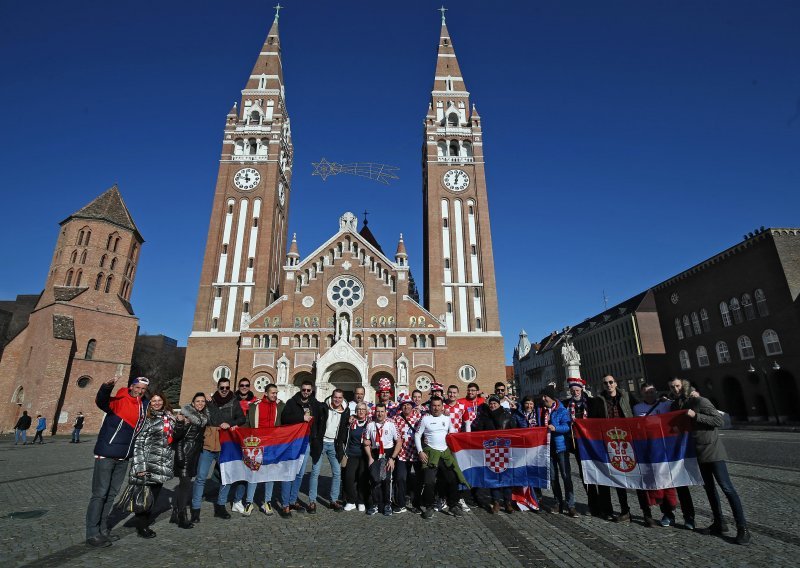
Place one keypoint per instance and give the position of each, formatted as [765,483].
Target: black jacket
[599,409]
[187,451]
[230,412]
[23,423]
[341,434]
[293,413]
[499,419]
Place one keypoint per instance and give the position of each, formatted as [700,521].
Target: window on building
[422,341]
[736,311]
[109,280]
[83,258]
[83,382]
[772,344]
[696,324]
[478,323]
[68,281]
[467,374]
[687,327]
[78,278]
[761,303]
[221,372]
[726,316]
[246,307]
[90,349]
[702,357]
[103,261]
[684,359]
[98,281]
[474,249]
[452,119]
[749,308]
[447,264]
[678,328]
[704,320]
[225,249]
[445,222]
[745,347]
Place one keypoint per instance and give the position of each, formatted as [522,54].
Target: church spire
[448,73]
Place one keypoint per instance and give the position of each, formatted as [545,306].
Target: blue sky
[625,141]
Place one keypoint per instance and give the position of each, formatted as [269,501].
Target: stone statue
[570,354]
[283,370]
[348,221]
[344,328]
[402,374]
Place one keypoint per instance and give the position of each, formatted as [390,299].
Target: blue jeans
[76,435]
[559,463]
[290,490]
[203,467]
[107,478]
[251,491]
[20,434]
[329,451]
[718,471]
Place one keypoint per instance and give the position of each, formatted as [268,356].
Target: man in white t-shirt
[380,437]
[437,461]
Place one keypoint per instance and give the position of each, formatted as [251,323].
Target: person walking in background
[77,426]
[21,428]
[41,424]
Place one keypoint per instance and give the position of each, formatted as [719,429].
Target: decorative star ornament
[382,173]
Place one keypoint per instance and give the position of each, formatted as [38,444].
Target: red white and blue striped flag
[503,458]
[262,454]
[649,452]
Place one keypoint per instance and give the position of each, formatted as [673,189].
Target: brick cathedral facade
[346,314]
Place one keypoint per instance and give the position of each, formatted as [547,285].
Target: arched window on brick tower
[90,346]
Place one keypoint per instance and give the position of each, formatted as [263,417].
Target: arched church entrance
[346,377]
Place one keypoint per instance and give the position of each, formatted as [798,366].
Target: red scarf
[573,405]
[379,437]
[168,428]
[546,414]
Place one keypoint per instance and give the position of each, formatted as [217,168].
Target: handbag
[377,471]
[137,498]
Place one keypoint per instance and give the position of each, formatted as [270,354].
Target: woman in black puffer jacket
[187,453]
[154,454]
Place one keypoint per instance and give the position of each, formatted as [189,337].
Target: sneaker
[97,541]
[387,511]
[457,511]
[495,508]
[714,529]
[247,509]
[238,507]
[349,507]
[688,524]
[573,513]
[416,510]
[397,510]
[362,508]
[437,505]
[372,510]
[266,508]
[428,513]
[666,521]
[463,505]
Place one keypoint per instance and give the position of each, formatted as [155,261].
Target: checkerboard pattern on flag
[262,454]
[503,458]
[649,452]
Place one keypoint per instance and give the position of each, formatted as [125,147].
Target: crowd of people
[388,458]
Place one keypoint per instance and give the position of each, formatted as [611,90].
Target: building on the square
[14,316]
[160,359]
[82,329]
[345,314]
[624,341]
[731,325]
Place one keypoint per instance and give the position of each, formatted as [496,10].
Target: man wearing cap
[437,389]
[578,406]
[385,398]
[406,424]
[125,412]
[556,418]
[436,458]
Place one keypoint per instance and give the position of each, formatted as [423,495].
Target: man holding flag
[556,418]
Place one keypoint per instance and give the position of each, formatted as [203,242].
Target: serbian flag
[262,454]
[649,452]
[525,499]
[503,458]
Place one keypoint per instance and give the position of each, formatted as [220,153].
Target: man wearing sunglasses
[224,412]
[612,403]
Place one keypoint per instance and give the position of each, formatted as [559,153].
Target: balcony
[456,159]
[454,130]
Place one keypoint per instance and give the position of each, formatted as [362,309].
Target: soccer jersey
[406,426]
[387,432]
[457,412]
[472,407]
[433,430]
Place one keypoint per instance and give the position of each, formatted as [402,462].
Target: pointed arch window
[103,261]
[723,354]
[702,357]
[772,344]
[68,281]
[109,280]
[736,311]
[761,303]
[726,315]
[90,349]
[696,324]
[78,278]
[704,320]
[745,347]
[749,308]
[87,237]
[452,120]
[113,263]
[678,328]
[73,257]
[686,363]
[98,281]
[687,327]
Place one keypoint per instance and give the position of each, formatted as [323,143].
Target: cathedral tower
[458,262]
[246,245]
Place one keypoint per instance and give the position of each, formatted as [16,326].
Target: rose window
[346,292]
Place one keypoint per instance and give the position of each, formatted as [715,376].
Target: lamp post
[761,370]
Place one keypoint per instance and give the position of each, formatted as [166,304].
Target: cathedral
[347,314]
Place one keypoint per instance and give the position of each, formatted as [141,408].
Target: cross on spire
[278,9]
[365,217]
[442,10]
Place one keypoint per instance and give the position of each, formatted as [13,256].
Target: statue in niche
[570,354]
[402,374]
[344,328]
[315,321]
[306,321]
[331,321]
[297,321]
[283,371]
[358,321]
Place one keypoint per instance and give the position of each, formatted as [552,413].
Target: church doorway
[346,377]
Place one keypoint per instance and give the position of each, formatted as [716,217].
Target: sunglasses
[305,390]
[224,388]
[609,382]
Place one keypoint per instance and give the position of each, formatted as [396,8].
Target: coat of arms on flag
[620,451]
[252,452]
[497,454]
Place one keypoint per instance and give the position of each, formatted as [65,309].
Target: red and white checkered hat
[384,384]
[437,387]
[405,398]
[576,382]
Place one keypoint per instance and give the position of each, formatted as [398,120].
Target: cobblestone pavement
[54,479]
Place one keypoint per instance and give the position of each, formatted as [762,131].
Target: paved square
[55,479]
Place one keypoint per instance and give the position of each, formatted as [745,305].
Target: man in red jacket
[124,418]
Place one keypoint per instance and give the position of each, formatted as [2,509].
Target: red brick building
[82,330]
[346,314]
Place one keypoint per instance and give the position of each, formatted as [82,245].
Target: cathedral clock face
[456,180]
[247,179]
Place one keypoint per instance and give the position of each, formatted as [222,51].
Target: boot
[742,535]
[183,522]
[174,516]
[221,511]
[717,528]
[195,516]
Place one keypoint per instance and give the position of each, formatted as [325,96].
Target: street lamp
[763,371]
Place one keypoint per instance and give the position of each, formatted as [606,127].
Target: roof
[370,238]
[108,207]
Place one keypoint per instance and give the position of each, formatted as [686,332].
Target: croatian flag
[262,454]
[649,452]
[503,458]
